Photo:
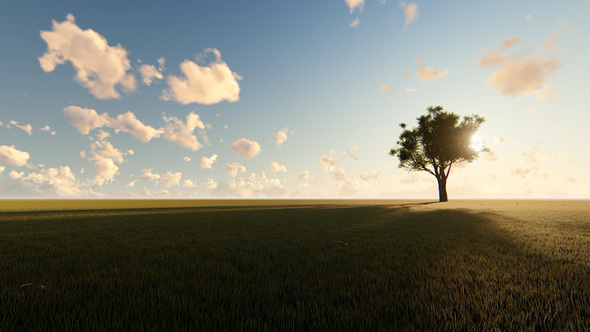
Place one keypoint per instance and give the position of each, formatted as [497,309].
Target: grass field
[465,265]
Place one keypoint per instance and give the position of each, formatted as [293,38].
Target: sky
[281,99]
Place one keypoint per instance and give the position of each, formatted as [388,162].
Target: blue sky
[287,99]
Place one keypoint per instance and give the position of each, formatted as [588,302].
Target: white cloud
[211,184]
[130,124]
[147,175]
[181,133]
[204,84]
[208,162]
[131,152]
[26,128]
[355,23]
[276,167]
[303,175]
[522,76]
[131,184]
[408,90]
[16,175]
[372,176]
[2,168]
[85,119]
[149,73]
[187,158]
[61,181]
[104,157]
[170,179]
[99,67]
[189,183]
[245,147]
[12,156]
[234,169]
[355,4]
[255,185]
[328,163]
[46,128]
[281,136]
[426,74]
[410,12]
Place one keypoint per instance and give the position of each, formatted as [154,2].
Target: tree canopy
[440,140]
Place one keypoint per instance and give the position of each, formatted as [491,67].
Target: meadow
[342,265]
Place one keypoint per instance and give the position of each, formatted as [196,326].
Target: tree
[439,141]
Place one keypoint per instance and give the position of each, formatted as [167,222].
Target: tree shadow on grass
[300,268]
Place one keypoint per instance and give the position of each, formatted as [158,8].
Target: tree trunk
[442,190]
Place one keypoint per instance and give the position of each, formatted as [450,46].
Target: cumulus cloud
[303,175]
[281,136]
[131,184]
[204,84]
[372,176]
[208,162]
[86,119]
[233,169]
[355,23]
[187,158]
[189,183]
[13,156]
[149,73]
[26,128]
[410,12]
[16,175]
[408,90]
[105,158]
[170,179]
[61,181]
[130,124]
[355,4]
[147,175]
[276,167]
[521,75]
[211,184]
[99,67]
[2,168]
[255,185]
[328,163]
[181,133]
[45,128]
[245,147]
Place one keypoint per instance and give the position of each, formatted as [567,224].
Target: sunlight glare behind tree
[439,141]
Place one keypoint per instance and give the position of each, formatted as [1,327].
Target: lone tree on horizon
[439,141]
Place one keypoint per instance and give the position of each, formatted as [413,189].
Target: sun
[476,143]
